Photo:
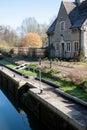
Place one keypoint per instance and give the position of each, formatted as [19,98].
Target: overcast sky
[13,12]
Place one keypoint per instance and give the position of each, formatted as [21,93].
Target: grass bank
[49,74]
[66,86]
[7,63]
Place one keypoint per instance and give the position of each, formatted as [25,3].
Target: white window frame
[68,47]
[62,25]
[76,47]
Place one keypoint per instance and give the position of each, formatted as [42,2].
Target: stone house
[67,36]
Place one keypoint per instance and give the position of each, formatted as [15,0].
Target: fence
[30,52]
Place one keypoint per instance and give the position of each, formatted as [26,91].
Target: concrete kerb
[16,71]
[52,107]
[72,97]
[56,88]
[49,82]
[84,103]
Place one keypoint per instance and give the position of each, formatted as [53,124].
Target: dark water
[15,118]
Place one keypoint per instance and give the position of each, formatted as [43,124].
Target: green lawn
[75,91]
[67,86]
[26,72]
[11,65]
[7,63]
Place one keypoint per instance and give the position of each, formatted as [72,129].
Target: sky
[13,12]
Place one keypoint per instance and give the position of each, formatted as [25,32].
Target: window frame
[76,47]
[68,47]
[62,25]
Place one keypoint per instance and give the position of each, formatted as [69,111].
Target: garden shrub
[84,86]
[52,71]
[32,66]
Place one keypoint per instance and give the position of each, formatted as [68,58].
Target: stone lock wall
[45,113]
[8,83]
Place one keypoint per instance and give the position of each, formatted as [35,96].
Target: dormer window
[62,25]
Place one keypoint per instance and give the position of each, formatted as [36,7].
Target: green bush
[81,56]
[45,59]
[52,71]
[84,86]
[2,48]
[32,66]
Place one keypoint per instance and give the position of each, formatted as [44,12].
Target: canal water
[14,117]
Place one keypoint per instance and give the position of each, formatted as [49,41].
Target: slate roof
[76,13]
[52,27]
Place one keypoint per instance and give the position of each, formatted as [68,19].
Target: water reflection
[14,117]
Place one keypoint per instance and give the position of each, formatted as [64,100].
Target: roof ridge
[65,1]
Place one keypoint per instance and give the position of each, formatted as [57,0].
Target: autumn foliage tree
[32,40]
[31,25]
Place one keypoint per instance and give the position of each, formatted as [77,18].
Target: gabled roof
[77,15]
[69,6]
[52,27]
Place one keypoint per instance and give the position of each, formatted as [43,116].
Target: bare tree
[8,36]
[31,25]
[28,25]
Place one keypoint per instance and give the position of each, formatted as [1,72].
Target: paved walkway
[75,113]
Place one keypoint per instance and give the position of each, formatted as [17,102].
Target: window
[68,47]
[62,25]
[76,46]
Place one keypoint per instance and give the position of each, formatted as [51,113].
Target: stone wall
[9,84]
[45,112]
[53,118]
[30,52]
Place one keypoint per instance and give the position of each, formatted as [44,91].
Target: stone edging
[72,97]
[84,103]
[49,82]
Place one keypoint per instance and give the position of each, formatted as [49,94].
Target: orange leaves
[32,40]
